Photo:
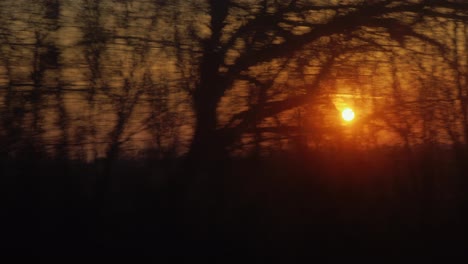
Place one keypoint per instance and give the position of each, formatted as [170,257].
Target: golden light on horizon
[348,114]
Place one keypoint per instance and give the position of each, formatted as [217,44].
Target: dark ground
[277,208]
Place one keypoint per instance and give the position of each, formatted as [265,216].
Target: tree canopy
[211,77]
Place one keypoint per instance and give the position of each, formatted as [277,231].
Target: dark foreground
[286,208]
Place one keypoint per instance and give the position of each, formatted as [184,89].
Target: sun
[347,114]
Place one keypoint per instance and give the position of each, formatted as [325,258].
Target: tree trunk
[198,189]
[206,143]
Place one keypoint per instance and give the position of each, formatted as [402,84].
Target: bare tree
[238,38]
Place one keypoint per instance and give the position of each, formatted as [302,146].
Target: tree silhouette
[240,37]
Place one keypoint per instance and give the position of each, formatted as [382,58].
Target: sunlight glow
[347,114]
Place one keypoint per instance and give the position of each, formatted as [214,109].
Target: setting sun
[347,114]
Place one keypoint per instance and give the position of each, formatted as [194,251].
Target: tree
[239,37]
